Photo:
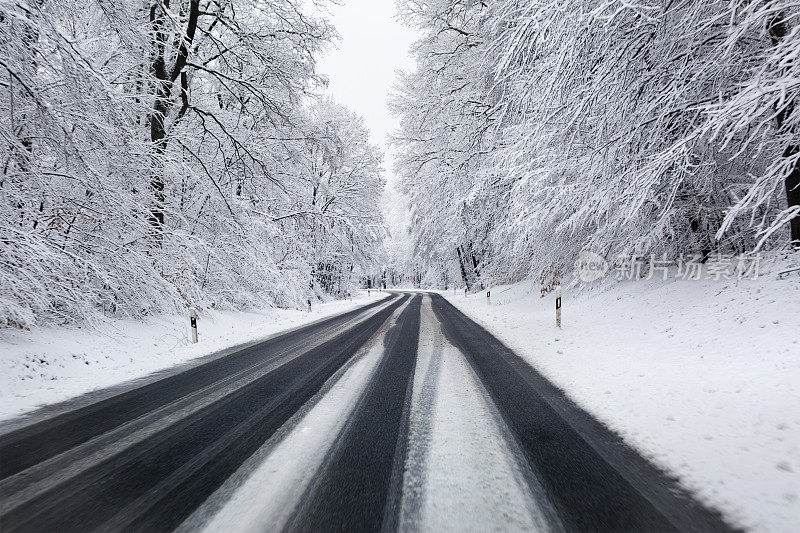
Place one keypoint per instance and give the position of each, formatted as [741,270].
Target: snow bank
[46,365]
[703,376]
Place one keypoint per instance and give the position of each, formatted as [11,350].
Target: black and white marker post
[488,299]
[193,323]
[558,306]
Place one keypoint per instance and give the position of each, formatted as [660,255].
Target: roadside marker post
[193,323]
[488,300]
[558,306]
[309,305]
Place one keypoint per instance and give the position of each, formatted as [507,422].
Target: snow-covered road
[401,415]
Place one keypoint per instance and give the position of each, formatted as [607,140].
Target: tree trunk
[793,194]
[778,30]
[476,270]
[165,78]
[158,138]
[461,265]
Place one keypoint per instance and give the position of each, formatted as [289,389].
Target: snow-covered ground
[47,365]
[701,376]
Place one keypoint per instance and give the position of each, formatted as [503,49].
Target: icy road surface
[400,415]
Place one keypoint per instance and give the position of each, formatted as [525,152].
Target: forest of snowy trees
[165,153]
[162,153]
[532,130]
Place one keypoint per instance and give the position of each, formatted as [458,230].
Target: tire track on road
[156,483]
[359,487]
[588,492]
[34,443]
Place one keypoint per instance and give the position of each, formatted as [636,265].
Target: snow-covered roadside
[702,376]
[47,365]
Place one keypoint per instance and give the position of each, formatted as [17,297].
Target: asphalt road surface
[401,415]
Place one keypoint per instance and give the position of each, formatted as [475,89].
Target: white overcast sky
[362,65]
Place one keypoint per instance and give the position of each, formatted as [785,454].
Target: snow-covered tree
[652,126]
[446,109]
[338,196]
[154,154]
